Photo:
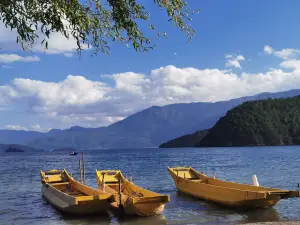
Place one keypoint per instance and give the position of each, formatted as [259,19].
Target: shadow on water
[206,206]
[219,213]
[135,220]
[211,214]
[101,219]
[119,217]
[260,215]
[111,218]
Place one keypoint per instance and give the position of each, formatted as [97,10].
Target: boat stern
[146,206]
[284,194]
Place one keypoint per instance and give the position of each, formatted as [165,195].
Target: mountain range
[148,128]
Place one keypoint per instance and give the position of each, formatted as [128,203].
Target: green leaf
[91,22]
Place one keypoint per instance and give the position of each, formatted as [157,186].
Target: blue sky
[240,48]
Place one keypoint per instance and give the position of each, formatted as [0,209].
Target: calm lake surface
[21,201]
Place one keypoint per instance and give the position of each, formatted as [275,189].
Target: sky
[240,48]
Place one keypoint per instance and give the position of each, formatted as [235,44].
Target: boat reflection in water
[135,220]
[261,215]
[113,218]
[100,219]
[203,212]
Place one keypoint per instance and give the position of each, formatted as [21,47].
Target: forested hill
[257,123]
[189,140]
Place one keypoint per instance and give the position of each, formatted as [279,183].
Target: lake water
[21,201]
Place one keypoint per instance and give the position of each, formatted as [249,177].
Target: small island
[11,149]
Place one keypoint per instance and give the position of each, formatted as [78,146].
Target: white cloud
[57,43]
[10,58]
[35,127]
[268,49]
[228,56]
[240,57]
[15,127]
[130,82]
[78,100]
[286,53]
[90,118]
[74,90]
[234,60]
[111,119]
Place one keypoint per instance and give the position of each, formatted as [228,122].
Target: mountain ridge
[145,129]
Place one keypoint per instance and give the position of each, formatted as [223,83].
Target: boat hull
[243,204]
[144,209]
[67,204]
[72,197]
[224,193]
[140,209]
[148,204]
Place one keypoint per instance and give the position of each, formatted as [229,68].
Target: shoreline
[276,223]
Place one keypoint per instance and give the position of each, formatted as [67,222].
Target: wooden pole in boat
[131,179]
[255,181]
[83,169]
[80,170]
[120,195]
[103,182]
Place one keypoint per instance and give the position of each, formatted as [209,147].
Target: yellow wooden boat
[133,199]
[68,195]
[229,194]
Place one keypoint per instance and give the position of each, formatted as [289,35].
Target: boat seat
[111,183]
[74,193]
[60,183]
[58,172]
[182,169]
[111,173]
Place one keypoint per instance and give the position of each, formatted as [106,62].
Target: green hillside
[268,122]
[189,140]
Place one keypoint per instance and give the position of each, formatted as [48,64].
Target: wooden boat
[133,199]
[229,194]
[71,196]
